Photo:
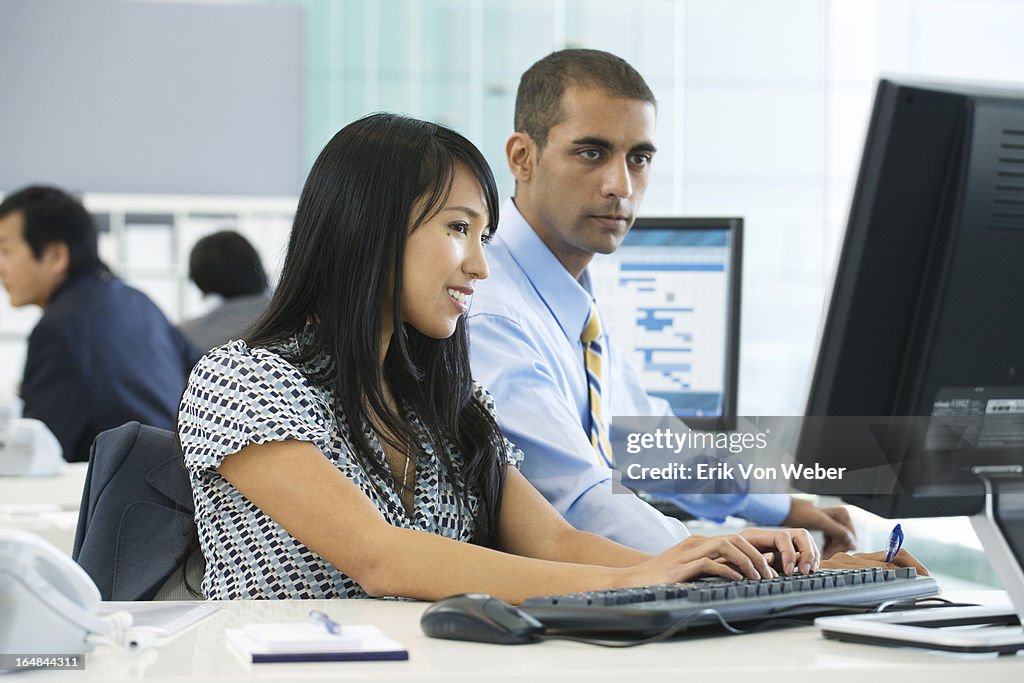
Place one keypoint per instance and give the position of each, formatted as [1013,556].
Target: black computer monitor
[922,350]
[670,294]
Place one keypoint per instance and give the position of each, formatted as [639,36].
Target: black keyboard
[643,612]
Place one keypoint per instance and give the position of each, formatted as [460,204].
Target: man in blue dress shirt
[102,354]
[581,156]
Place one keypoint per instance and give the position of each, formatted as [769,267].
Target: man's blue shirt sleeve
[768,509]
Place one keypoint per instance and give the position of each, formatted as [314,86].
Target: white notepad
[301,637]
[299,642]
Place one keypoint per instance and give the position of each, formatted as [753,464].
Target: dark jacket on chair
[136,519]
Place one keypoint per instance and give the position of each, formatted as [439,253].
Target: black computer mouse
[474,616]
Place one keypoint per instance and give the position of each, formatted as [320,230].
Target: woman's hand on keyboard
[877,559]
[793,550]
[735,556]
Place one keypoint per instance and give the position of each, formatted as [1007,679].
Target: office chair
[135,525]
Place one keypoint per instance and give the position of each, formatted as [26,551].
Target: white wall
[154,97]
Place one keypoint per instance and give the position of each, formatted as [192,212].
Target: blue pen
[319,617]
[895,543]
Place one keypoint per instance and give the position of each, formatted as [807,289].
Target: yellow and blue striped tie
[592,361]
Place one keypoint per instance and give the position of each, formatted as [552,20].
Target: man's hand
[834,522]
[866,560]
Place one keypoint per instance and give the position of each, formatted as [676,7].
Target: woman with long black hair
[343,450]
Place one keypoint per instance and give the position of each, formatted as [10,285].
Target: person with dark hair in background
[225,264]
[343,450]
[581,155]
[102,354]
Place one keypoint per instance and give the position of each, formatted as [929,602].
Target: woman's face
[444,257]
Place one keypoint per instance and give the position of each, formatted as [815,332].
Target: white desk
[800,654]
[63,490]
[47,506]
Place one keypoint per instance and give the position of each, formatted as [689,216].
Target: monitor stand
[1000,527]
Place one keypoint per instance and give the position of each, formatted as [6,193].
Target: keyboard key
[572,600]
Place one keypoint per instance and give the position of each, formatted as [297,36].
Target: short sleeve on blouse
[238,396]
[514,455]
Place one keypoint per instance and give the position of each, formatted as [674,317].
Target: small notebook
[298,642]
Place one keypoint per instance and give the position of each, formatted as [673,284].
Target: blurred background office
[179,119]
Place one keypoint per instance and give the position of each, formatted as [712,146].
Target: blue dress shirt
[525,324]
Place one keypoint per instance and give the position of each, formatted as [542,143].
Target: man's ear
[56,257]
[521,152]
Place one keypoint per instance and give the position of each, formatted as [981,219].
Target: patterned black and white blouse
[238,396]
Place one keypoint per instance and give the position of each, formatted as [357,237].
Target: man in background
[581,155]
[102,354]
[226,265]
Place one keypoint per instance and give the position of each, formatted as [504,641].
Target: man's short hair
[52,215]
[539,99]
[225,263]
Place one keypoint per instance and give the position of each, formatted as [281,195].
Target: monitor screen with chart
[671,297]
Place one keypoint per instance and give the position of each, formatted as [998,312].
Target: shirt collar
[567,299]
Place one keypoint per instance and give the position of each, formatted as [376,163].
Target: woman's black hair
[377,177]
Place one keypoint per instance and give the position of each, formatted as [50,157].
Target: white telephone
[27,447]
[47,602]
